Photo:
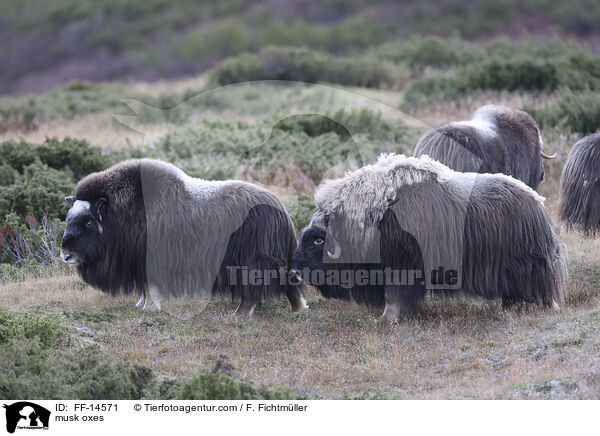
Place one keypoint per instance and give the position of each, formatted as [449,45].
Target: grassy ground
[455,349]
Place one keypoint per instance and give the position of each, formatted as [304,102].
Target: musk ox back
[495,140]
[144,224]
[405,225]
[580,186]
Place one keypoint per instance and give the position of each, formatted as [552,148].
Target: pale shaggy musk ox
[495,140]
[144,224]
[580,186]
[454,233]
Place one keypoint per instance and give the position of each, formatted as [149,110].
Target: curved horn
[547,156]
[337,251]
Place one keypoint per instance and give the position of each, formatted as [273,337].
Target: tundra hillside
[59,338]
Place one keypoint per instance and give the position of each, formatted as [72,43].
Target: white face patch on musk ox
[485,235]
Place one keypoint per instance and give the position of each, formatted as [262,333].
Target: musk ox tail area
[255,267]
[580,186]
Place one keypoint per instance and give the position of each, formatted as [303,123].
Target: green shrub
[44,328]
[521,72]
[73,99]
[8,175]
[579,111]
[31,370]
[219,386]
[440,87]
[40,192]
[508,66]
[17,154]
[76,155]
[301,209]
[304,65]
[430,51]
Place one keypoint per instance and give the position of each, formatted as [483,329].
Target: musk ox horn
[337,251]
[547,156]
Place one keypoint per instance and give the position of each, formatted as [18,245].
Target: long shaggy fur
[179,234]
[495,140]
[580,186]
[419,214]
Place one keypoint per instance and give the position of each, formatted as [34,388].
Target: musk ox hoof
[391,314]
[141,302]
[152,302]
[245,309]
[555,306]
[299,305]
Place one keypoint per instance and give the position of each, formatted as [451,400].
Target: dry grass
[456,349]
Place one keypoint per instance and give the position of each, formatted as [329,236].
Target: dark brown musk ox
[385,234]
[495,140]
[580,186]
[145,225]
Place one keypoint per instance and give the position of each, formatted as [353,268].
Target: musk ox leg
[402,302]
[391,313]
[245,308]
[142,301]
[296,298]
[152,302]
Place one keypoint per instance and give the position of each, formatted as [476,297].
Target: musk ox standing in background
[405,224]
[495,140]
[580,186]
[144,224]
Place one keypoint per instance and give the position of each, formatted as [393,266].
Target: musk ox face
[83,240]
[310,250]
[328,260]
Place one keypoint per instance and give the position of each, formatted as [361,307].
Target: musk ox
[495,140]
[144,224]
[385,233]
[580,186]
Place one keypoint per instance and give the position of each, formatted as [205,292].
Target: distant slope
[43,44]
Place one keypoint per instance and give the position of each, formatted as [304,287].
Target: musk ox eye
[89,224]
[318,241]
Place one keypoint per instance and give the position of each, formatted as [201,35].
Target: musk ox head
[105,233]
[83,240]
[329,260]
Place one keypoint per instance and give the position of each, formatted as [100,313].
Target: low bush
[301,209]
[39,192]
[430,52]
[578,111]
[219,386]
[76,155]
[508,66]
[33,370]
[29,245]
[73,99]
[43,327]
[304,65]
